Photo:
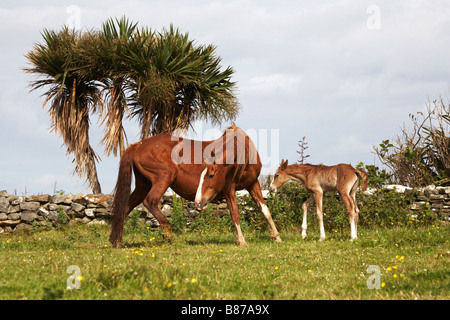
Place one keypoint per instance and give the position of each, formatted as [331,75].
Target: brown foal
[342,178]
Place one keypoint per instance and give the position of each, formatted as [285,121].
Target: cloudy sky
[345,74]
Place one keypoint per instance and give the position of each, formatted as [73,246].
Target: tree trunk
[92,176]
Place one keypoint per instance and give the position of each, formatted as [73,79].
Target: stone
[437,197]
[42,212]
[84,220]
[62,198]
[89,213]
[4,193]
[78,198]
[13,209]
[14,216]
[28,216]
[166,210]
[3,216]
[12,197]
[29,206]
[74,214]
[9,223]
[52,207]
[39,198]
[103,204]
[4,204]
[22,227]
[77,207]
[98,221]
[16,200]
[97,198]
[167,197]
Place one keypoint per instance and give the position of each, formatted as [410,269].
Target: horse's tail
[121,196]
[364,177]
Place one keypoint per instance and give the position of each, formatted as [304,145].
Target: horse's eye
[211,176]
[276,176]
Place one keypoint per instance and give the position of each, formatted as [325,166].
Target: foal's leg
[255,192]
[353,197]
[234,212]
[318,194]
[348,201]
[305,213]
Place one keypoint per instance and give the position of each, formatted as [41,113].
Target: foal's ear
[283,164]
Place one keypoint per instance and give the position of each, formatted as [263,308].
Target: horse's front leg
[256,194]
[234,212]
[305,213]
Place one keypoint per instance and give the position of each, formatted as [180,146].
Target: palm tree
[104,64]
[162,79]
[176,82]
[71,96]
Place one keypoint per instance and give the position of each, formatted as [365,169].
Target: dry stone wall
[23,212]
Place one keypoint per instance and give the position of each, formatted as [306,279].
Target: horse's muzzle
[199,205]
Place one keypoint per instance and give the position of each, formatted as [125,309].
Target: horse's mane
[234,148]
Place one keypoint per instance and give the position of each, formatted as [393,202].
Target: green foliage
[178,218]
[377,177]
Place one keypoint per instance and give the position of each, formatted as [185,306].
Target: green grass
[414,264]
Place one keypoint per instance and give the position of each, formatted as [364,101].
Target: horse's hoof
[276,239]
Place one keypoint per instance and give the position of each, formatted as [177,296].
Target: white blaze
[198,195]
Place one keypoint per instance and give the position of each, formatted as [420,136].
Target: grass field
[412,263]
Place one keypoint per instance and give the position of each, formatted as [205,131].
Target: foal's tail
[364,177]
[121,196]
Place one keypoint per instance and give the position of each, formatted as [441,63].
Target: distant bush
[420,155]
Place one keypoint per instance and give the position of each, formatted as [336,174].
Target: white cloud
[272,84]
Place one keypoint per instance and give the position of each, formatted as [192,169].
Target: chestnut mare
[319,179]
[164,161]
[241,169]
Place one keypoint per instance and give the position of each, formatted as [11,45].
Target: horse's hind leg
[305,215]
[255,192]
[318,194]
[136,197]
[352,214]
[151,202]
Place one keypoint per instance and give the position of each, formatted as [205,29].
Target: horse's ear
[209,161]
